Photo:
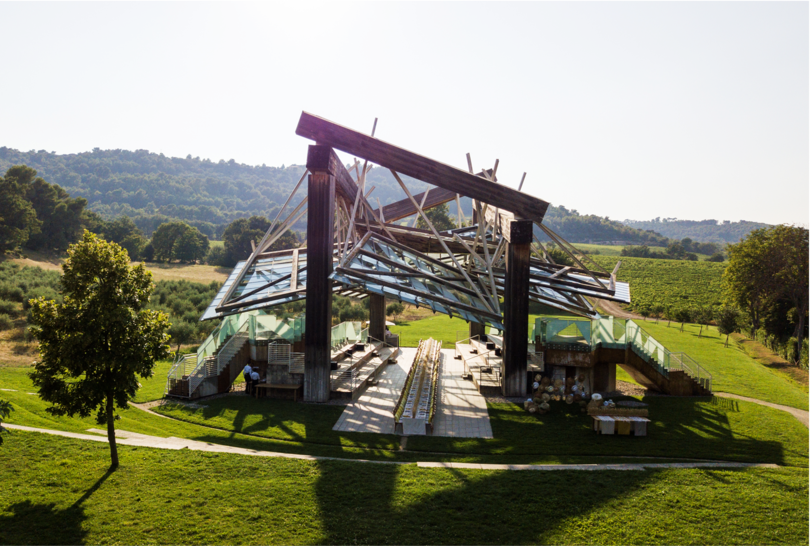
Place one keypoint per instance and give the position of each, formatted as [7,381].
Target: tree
[702,315]
[791,272]
[238,235]
[5,411]
[748,279]
[95,345]
[182,332]
[682,315]
[18,219]
[124,232]
[62,217]
[439,216]
[180,241]
[394,309]
[728,320]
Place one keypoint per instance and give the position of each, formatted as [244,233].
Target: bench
[606,424]
[266,389]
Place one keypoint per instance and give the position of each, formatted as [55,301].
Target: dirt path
[613,308]
[142,440]
[801,415]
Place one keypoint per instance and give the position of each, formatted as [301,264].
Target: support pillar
[478,329]
[320,233]
[376,319]
[516,308]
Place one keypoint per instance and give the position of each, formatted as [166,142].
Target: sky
[630,110]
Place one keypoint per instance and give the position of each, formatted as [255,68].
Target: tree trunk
[799,335]
[111,433]
[727,340]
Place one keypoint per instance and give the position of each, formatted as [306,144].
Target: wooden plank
[320,224]
[422,168]
[404,208]
[516,311]
[294,273]
[324,159]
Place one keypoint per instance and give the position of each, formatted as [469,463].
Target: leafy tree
[238,235]
[124,232]
[394,309]
[18,219]
[716,257]
[747,280]
[182,332]
[791,273]
[728,320]
[702,315]
[62,217]
[95,345]
[5,411]
[439,216]
[559,256]
[180,241]
[682,315]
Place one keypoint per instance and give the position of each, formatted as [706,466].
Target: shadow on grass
[408,505]
[43,523]
[681,428]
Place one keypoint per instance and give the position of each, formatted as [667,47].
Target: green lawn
[438,326]
[59,491]
[732,369]
[154,387]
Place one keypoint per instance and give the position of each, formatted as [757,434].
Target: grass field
[160,272]
[153,388]
[58,490]
[732,369]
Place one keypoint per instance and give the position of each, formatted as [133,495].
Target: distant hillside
[588,228]
[707,231]
[152,188]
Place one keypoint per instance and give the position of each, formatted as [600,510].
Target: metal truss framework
[360,250]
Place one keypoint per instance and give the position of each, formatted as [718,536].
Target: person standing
[254,380]
[246,374]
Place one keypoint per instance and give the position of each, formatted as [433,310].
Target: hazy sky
[631,110]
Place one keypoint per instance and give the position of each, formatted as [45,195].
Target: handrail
[221,349]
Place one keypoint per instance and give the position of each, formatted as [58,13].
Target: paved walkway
[142,440]
[801,415]
[372,412]
[461,413]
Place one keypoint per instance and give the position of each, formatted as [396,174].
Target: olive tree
[95,345]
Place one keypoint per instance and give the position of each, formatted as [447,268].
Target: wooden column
[478,329]
[376,319]
[516,308]
[320,222]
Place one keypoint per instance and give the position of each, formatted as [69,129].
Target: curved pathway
[143,440]
[801,415]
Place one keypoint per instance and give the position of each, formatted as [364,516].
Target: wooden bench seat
[266,389]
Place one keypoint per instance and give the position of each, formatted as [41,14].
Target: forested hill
[152,188]
[707,231]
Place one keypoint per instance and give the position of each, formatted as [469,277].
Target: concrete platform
[462,411]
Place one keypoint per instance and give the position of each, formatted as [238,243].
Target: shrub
[5,322]
[8,307]
[217,256]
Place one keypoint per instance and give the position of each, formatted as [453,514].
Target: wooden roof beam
[422,168]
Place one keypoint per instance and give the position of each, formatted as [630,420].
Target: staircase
[194,377]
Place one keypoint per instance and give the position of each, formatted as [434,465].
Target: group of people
[251,378]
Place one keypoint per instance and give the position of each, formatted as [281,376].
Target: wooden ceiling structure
[486,272]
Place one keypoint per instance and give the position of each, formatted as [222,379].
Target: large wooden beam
[403,209]
[324,159]
[516,309]
[320,222]
[422,168]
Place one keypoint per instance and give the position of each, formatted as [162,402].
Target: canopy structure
[485,273]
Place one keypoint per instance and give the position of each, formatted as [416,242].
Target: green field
[154,387]
[668,283]
[731,368]
[59,491]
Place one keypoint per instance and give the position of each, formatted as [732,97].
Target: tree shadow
[44,523]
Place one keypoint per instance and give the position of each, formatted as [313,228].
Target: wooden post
[516,308]
[376,320]
[478,329]
[320,220]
